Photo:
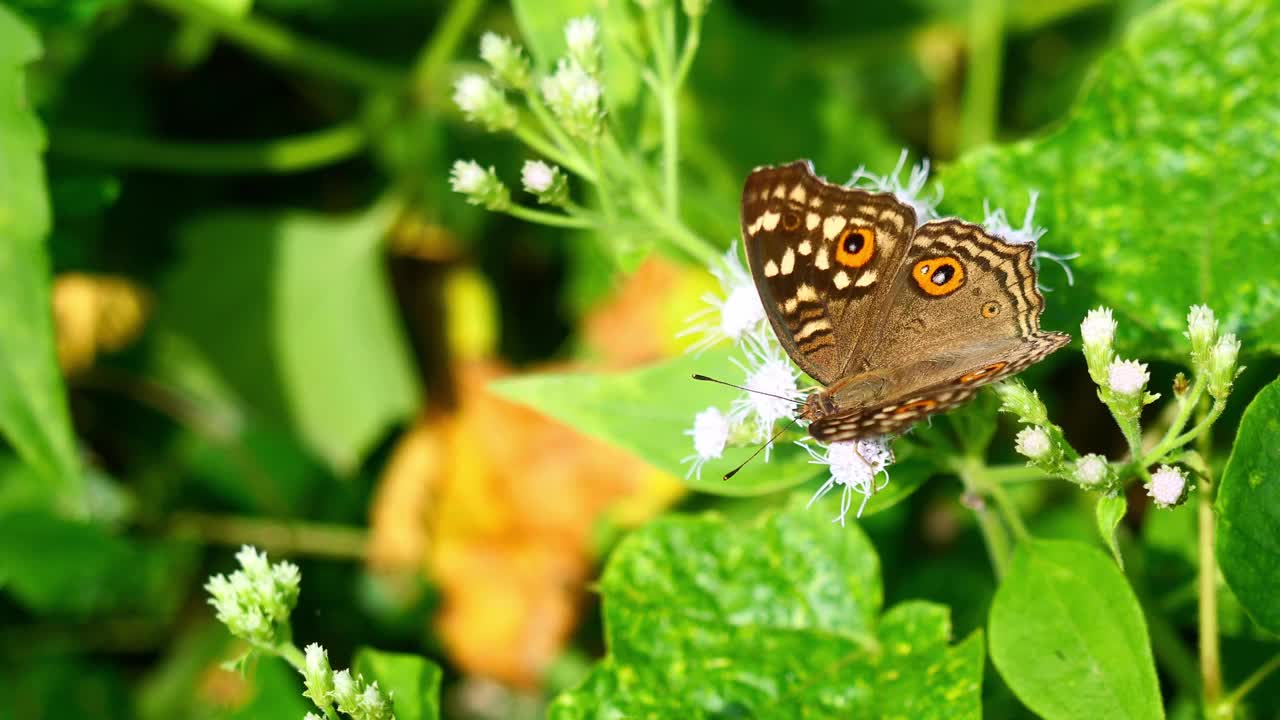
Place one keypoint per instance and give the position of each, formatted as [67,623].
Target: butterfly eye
[856,246]
[939,276]
[990,309]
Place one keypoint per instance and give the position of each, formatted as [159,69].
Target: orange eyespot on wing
[924,405]
[939,276]
[984,372]
[856,246]
[990,309]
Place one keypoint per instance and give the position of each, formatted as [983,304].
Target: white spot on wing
[842,280]
[788,261]
[780,191]
[812,327]
[769,220]
[811,220]
[866,279]
[832,226]
[797,193]
[806,293]
[770,269]
[805,247]
[821,260]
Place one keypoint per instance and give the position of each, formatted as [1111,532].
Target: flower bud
[1016,398]
[1092,470]
[574,96]
[507,60]
[480,186]
[1202,330]
[1127,377]
[582,37]
[1168,486]
[1222,366]
[483,103]
[1034,442]
[1098,331]
[545,181]
[317,676]
[345,692]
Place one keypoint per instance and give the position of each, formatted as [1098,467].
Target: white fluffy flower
[537,176]
[471,92]
[580,35]
[909,193]
[729,316]
[773,379]
[710,434]
[344,690]
[1168,486]
[1033,442]
[996,222]
[1127,377]
[1091,469]
[467,177]
[1098,328]
[506,59]
[854,466]
[574,96]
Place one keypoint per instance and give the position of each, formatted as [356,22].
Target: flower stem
[279,45]
[287,538]
[291,655]
[295,153]
[980,103]
[1186,404]
[972,473]
[1227,707]
[1210,659]
[444,43]
[1012,474]
[547,218]
[530,137]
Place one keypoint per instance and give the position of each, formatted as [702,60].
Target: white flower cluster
[351,695]
[773,393]
[255,601]
[909,193]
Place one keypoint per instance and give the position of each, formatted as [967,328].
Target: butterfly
[897,322]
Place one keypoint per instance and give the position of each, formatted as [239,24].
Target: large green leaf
[1248,505]
[1068,636]
[1163,178]
[647,412]
[33,406]
[293,310]
[706,619]
[412,681]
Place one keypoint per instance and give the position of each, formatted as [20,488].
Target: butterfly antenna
[776,435]
[746,389]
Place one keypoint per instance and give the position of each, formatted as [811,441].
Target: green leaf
[1163,177]
[647,411]
[1069,638]
[1248,507]
[33,405]
[1109,512]
[704,618]
[53,565]
[294,311]
[412,681]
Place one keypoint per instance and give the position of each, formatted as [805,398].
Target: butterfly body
[897,322]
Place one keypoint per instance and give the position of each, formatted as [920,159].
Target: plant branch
[291,154]
[980,103]
[444,42]
[1251,682]
[278,44]
[541,145]
[274,536]
[1210,659]
[547,218]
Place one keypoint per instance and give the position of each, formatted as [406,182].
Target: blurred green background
[276,325]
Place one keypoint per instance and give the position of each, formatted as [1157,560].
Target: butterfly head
[817,406]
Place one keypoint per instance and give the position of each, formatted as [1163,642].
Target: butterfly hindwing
[822,256]
[940,383]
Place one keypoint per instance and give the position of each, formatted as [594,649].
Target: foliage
[412,295]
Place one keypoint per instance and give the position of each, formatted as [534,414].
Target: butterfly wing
[822,256]
[889,403]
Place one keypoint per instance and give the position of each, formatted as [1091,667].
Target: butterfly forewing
[822,257]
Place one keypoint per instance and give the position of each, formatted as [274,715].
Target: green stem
[547,218]
[670,150]
[276,537]
[1007,509]
[692,39]
[603,190]
[1210,658]
[1231,701]
[994,534]
[996,539]
[444,42]
[279,45]
[544,147]
[980,103]
[1012,474]
[1201,427]
[1186,404]
[291,655]
[296,153]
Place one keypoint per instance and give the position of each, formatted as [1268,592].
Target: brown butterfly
[897,322]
